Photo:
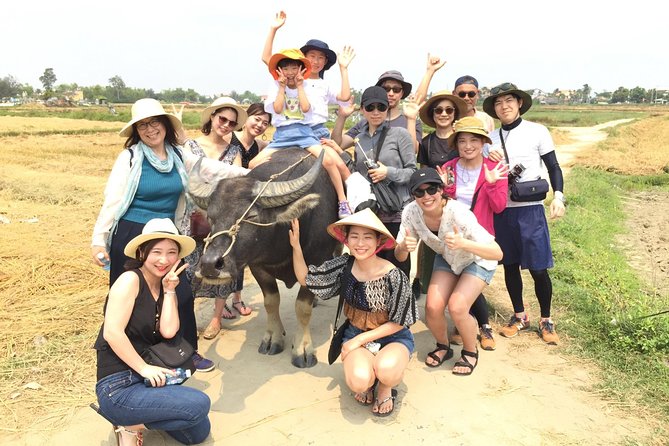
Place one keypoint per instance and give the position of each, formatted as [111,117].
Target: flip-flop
[367,401]
[239,306]
[232,315]
[378,404]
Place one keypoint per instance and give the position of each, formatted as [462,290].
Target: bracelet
[170,292]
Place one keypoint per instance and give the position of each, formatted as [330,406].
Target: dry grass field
[51,295]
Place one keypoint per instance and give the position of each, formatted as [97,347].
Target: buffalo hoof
[270,348]
[304,361]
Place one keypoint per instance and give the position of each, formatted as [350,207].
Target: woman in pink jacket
[481,184]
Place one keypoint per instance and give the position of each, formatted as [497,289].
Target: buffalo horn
[280,193]
[199,188]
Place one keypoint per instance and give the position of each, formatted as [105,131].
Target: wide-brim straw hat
[366,219]
[160,228]
[425,111]
[501,90]
[225,102]
[468,124]
[146,108]
[290,53]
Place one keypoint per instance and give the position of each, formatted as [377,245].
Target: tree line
[117,91]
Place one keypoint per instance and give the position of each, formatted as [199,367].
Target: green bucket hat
[504,89]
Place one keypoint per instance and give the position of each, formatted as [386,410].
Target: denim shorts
[472,269]
[404,337]
[293,135]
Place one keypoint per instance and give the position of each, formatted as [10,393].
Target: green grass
[578,116]
[594,285]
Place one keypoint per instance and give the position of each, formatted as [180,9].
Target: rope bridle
[234,229]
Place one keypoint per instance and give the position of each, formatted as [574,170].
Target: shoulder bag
[338,332]
[533,190]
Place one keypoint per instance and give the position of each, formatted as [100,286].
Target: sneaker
[456,338]
[486,339]
[202,364]
[547,332]
[344,209]
[514,326]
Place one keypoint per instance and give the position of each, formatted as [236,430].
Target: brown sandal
[239,306]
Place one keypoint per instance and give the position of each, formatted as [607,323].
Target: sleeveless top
[141,330]
[247,155]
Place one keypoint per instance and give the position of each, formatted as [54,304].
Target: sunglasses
[440,110]
[506,86]
[144,125]
[464,94]
[380,107]
[431,190]
[394,89]
[225,121]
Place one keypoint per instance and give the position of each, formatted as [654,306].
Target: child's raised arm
[279,20]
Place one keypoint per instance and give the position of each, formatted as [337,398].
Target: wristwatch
[559,196]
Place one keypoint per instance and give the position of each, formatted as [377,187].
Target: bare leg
[466,291]
[331,168]
[438,292]
[389,366]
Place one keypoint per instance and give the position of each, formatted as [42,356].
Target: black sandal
[463,362]
[433,355]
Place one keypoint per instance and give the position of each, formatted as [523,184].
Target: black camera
[515,172]
[370,164]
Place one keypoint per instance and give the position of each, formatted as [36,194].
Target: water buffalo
[250,217]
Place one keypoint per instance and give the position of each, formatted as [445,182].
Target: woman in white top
[466,259]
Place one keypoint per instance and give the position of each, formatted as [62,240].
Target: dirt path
[524,393]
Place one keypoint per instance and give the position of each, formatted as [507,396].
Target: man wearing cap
[521,229]
[467,88]
[396,89]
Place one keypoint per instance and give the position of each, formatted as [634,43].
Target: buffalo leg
[273,340]
[303,349]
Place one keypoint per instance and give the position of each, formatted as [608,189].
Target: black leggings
[479,310]
[543,288]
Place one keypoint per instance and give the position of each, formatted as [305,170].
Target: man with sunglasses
[467,89]
[521,229]
[396,89]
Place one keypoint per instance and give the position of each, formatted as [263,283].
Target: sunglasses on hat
[506,86]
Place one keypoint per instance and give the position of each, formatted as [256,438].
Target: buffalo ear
[200,188]
[298,207]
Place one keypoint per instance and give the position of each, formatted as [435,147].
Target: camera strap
[379,143]
[501,138]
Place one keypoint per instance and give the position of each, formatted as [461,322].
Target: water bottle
[180,375]
[104,260]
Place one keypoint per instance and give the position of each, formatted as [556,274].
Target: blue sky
[215,47]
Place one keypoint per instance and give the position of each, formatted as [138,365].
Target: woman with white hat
[377,344]
[141,311]
[218,121]
[149,180]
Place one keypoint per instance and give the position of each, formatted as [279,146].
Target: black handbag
[338,332]
[171,354]
[386,199]
[534,190]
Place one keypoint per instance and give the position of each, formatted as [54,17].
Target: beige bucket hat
[146,108]
[159,228]
[468,124]
[425,111]
[227,102]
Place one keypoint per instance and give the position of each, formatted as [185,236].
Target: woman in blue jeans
[142,310]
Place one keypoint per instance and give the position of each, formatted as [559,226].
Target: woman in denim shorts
[466,261]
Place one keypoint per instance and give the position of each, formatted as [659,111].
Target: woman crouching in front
[466,260]
[141,311]
[378,304]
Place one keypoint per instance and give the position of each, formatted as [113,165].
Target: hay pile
[51,295]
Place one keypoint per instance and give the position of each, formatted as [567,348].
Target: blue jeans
[180,411]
